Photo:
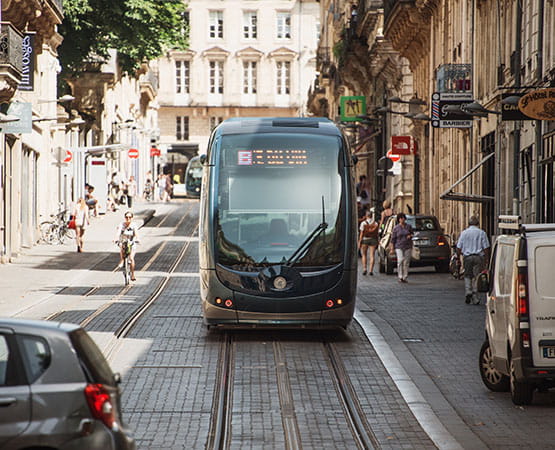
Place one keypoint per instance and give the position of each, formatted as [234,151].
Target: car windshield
[274,190]
[422,223]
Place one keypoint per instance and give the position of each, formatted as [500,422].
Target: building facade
[245,58]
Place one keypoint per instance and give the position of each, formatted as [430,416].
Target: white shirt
[473,241]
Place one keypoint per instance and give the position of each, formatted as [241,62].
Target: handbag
[71,223]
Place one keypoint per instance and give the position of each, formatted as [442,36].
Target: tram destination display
[272,157]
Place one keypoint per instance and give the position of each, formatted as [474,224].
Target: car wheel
[388,266]
[442,267]
[493,379]
[521,392]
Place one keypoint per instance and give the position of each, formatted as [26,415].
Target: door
[498,306]
[15,398]
[541,295]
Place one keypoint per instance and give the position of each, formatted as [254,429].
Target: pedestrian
[131,191]
[168,191]
[386,213]
[368,240]
[473,245]
[147,191]
[161,183]
[401,244]
[81,214]
[91,200]
[363,192]
[127,231]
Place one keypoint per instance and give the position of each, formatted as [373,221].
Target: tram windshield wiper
[301,250]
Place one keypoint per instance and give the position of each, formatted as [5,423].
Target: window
[182,128]
[216,25]
[4,356]
[215,121]
[249,77]
[36,355]
[283,77]
[182,77]
[216,77]
[249,25]
[283,25]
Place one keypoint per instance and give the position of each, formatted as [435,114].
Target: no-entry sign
[68,157]
[393,156]
[133,153]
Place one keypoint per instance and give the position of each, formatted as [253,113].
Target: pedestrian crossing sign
[351,107]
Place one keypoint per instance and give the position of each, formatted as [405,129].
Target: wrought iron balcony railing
[11,49]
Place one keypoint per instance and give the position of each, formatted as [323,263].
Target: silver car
[57,389]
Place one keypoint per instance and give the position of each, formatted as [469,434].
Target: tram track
[220,436]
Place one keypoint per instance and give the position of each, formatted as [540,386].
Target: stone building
[469,62]
[245,58]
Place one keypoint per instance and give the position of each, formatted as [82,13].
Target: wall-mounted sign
[539,104]
[511,111]
[24,112]
[402,145]
[446,112]
[28,60]
[155,151]
[351,107]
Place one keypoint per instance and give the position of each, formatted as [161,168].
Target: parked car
[57,389]
[518,353]
[430,244]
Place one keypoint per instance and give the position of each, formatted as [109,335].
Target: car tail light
[100,404]
[522,294]
[442,240]
[525,339]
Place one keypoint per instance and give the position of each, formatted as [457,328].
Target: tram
[193,178]
[277,225]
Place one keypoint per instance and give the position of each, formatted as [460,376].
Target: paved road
[420,361]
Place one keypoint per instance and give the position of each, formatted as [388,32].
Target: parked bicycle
[56,230]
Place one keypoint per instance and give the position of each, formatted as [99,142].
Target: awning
[462,197]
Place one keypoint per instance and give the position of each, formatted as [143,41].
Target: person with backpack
[368,240]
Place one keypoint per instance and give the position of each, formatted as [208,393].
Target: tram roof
[312,125]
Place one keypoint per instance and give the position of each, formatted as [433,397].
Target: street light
[412,101]
[384,110]
[6,118]
[63,99]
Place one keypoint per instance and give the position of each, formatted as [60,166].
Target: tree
[140,30]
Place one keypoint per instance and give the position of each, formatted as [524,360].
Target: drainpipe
[516,153]
[539,142]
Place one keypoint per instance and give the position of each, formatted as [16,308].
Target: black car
[430,244]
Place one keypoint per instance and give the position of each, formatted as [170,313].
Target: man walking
[473,244]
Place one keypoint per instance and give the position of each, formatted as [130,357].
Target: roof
[37,324]
[312,125]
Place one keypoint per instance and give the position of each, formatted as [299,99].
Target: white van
[519,351]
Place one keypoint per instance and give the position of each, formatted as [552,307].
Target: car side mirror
[117,378]
[483,282]
[202,159]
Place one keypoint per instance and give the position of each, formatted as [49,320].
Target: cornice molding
[249,53]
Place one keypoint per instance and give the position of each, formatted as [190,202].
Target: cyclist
[127,230]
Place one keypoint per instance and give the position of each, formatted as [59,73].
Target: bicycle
[126,245]
[56,231]
[456,268]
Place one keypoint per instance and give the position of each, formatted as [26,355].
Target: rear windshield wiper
[301,250]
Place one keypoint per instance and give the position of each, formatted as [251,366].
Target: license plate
[549,352]
[421,242]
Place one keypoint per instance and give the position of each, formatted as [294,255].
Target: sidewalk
[43,270]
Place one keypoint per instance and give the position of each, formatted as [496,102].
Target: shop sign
[351,107]
[28,63]
[402,145]
[444,118]
[539,104]
[512,112]
[155,151]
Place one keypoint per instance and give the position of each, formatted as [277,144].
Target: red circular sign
[133,153]
[393,156]
[68,157]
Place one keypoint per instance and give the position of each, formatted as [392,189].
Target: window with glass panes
[182,128]
[283,30]
[216,77]
[182,77]
[249,25]
[249,77]
[283,77]
[216,25]
[215,121]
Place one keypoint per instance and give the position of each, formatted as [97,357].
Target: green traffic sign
[351,107]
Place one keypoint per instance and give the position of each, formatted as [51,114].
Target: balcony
[11,60]
[148,83]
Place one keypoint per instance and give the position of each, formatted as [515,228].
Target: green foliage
[140,30]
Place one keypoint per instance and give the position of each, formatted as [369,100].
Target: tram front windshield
[275,192]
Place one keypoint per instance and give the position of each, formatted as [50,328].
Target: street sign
[155,151]
[442,117]
[351,107]
[385,163]
[392,156]
[68,157]
[133,153]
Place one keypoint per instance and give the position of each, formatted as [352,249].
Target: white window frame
[216,76]
[182,76]
[181,128]
[250,25]
[250,74]
[283,77]
[216,24]
[283,25]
